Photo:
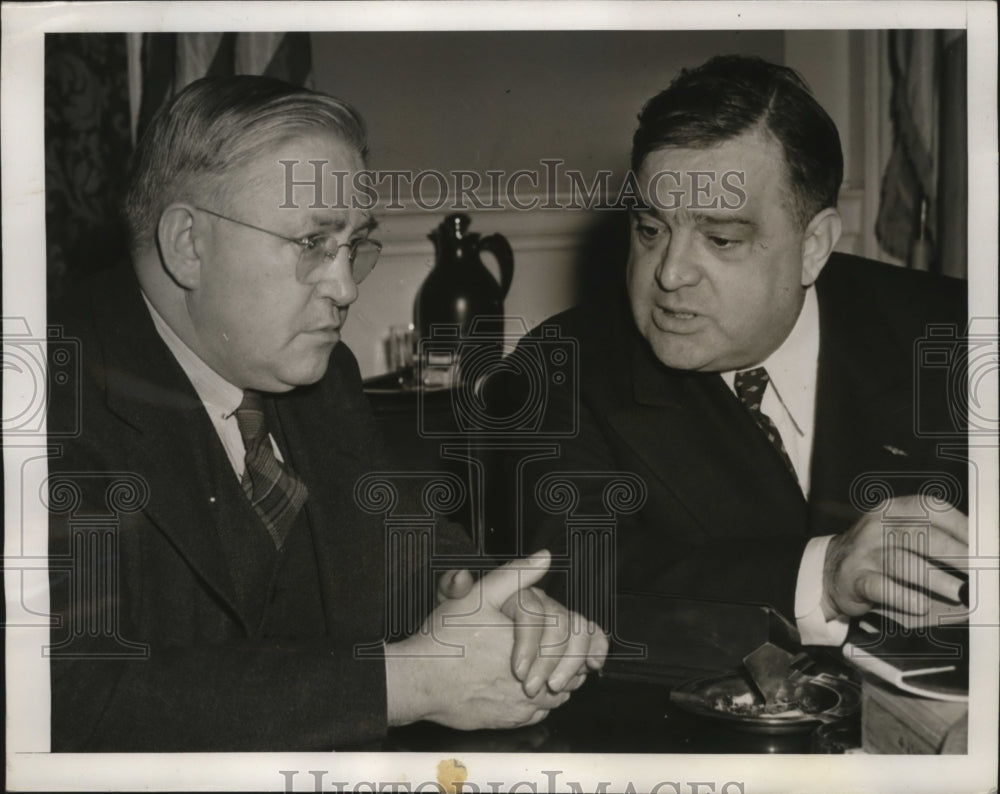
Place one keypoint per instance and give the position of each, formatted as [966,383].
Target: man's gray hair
[216,126]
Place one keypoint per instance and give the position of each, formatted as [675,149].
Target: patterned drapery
[87,146]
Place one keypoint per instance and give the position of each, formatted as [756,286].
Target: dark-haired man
[753,378]
[217,583]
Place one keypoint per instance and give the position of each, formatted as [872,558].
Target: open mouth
[678,314]
[677,321]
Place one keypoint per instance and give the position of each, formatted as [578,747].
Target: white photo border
[31,767]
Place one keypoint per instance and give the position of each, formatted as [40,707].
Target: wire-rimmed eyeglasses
[317,249]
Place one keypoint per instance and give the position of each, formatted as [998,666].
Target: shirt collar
[219,395]
[792,367]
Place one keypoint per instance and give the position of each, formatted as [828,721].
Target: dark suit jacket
[161,650]
[723,518]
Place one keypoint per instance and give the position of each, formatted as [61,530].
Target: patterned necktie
[750,386]
[272,488]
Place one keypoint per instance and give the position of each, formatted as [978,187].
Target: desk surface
[613,716]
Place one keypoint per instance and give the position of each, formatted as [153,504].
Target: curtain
[924,188]
[166,62]
[101,90]
[87,145]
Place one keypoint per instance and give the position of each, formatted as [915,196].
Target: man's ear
[822,234]
[175,235]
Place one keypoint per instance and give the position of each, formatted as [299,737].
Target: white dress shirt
[219,396]
[790,402]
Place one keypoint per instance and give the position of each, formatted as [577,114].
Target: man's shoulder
[874,316]
[894,290]
[567,322]
[597,327]
[76,313]
[598,345]
[85,322]
[105,311]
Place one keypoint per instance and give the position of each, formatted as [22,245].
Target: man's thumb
[500,584]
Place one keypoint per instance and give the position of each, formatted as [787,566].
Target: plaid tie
[272,488]
[750,386]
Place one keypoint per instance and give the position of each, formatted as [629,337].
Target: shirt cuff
[813,627]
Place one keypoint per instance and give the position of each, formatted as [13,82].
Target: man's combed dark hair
[731,94]
[215,126]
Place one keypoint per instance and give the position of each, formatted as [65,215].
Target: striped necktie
[275,492]
[750,386]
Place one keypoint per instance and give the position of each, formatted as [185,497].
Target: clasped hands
[900,558]
[497,653]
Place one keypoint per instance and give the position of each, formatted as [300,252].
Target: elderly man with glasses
[237,600]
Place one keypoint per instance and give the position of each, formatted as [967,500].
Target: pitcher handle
[497,245]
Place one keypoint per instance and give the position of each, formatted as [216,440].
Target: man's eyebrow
[701,218]
[719,219]
[338,223]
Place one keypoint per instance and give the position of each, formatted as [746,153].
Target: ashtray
[731,699]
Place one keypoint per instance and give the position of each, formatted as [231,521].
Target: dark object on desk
[460,288]
[670,640]
[395,407]
[423,431]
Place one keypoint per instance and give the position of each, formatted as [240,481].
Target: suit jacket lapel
[692,433]
[148,390]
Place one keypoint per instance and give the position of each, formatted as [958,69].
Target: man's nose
[333,278]
[678,266]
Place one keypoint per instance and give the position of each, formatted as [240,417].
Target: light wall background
[483,101]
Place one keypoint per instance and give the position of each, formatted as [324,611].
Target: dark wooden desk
[612,716]
[416,429]
[627,708]
[398,414]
